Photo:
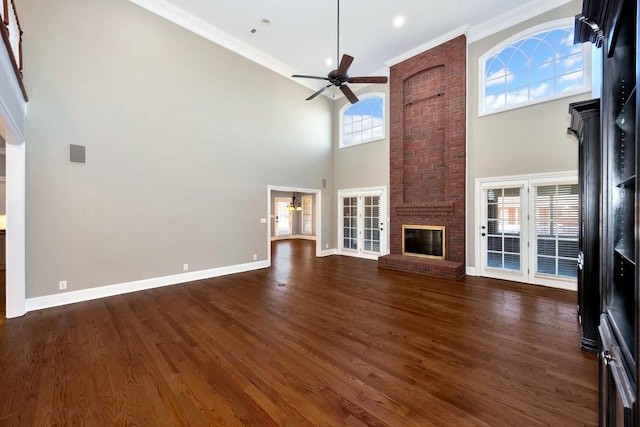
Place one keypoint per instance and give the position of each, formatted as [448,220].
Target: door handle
[580,260]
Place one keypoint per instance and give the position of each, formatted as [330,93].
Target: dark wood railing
[12,37]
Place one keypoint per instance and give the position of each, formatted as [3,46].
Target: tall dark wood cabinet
[585,126]
[613,26]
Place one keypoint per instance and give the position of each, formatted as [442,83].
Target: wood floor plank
[309,341]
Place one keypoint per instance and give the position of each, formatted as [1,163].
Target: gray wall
[364,165]
[519,141]
[182,139]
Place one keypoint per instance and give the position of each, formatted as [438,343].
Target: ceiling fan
[339,76]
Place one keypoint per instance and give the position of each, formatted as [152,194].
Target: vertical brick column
[428,145]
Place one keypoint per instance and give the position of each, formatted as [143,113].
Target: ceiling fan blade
[349,94]
[319,92]
[345,63]
[309,77]
[371,79]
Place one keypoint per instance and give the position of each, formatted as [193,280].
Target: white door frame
[522,274]
[382,192]
[15,196]
[317,210]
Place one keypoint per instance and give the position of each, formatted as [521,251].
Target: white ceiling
[302,33]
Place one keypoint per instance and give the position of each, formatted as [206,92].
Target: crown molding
[428,45]
[209,32]
[485,29]
[512,18]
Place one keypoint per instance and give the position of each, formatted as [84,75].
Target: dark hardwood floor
[311,341]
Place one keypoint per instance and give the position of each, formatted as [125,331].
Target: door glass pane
[371,223]
[504,222]
[350,223]
[307,212]
[557,228]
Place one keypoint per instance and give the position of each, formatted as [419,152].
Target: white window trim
[547,26]
[310,199]
[348,105]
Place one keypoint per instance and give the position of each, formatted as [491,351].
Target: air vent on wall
[77,154]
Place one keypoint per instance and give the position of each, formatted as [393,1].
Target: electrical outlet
[62,284]
[185,267]
[255,257]
[327,246]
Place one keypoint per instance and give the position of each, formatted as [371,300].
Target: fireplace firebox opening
[425,241]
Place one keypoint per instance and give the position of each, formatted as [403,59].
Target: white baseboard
[48,301]
[294,236]
[471,271]
[328,252]
[355,254]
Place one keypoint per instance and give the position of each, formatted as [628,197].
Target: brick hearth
[429,267]
[427,154]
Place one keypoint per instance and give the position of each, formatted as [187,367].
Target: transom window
[534,66]
[363,121]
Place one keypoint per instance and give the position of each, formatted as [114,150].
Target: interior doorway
[281,224]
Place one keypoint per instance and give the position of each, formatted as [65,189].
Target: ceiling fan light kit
[339,76]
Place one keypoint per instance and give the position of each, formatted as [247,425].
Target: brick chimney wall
[427,154]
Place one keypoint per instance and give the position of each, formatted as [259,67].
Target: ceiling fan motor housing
[337,79]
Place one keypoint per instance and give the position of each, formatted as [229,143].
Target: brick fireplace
[428,122]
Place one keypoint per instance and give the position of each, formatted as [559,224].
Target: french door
[502,232]
[284,217]
[362,228]
[528,231]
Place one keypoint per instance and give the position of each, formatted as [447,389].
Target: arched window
[363,121]
[534,66]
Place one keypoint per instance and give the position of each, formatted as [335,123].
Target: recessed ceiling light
[265,22]
[398,22]
[329,61]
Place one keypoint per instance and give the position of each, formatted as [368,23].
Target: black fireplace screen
[424,241]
